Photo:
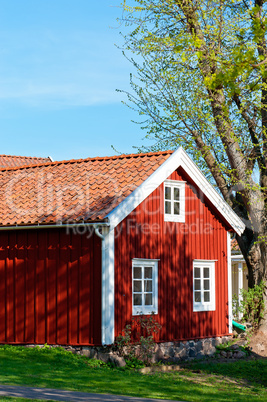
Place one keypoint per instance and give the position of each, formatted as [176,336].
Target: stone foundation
[187,350]
[169,352]
[173,352]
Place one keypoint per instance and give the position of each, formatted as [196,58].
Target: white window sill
[174,218]
[203,307]
[145,311]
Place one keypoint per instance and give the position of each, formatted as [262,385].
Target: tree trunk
[255,257]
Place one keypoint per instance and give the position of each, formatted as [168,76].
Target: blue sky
[59,71]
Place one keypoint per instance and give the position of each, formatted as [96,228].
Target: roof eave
[56,225]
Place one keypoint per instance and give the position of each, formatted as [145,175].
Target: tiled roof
[72,191]
[13,161]
[235,247]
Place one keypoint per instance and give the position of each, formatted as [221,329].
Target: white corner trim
[178,158]
[229,270]
[108,290]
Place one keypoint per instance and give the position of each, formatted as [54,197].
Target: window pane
[168,208]
[148,286]
[197,296]
[206,296]
[197,284]
[197,272]
[148,299]
[148,272]
[176,194]
[137,301]
[167,193]
[206,272]
[137,272]
[176,208]
[206,284]
[137,286]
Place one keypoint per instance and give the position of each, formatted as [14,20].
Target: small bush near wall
[136,343]
[252,306]
[137,339]
[236,306]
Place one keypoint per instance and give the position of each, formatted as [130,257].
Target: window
[174,201]
[145,286]
[203,285]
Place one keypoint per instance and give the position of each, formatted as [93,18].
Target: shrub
[123,341]
[227,348]
[137,339]
[252,305]
[134,363]
[236,306]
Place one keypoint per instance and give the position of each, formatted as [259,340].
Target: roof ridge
[97,158]
[28,157]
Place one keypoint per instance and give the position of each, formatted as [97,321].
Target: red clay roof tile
[235,247]
[14,161]
[72,191]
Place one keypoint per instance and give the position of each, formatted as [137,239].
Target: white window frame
[181,186]
[146,310]
[202,305]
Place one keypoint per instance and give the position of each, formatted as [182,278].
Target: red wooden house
[85,245]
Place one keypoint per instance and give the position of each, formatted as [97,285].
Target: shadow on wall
[175,251]
[50,287]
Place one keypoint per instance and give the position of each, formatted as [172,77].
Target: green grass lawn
[56,368]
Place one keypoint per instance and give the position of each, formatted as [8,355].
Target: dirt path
[258,343]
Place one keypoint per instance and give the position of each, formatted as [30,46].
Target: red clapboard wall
[144,234]
[50,287]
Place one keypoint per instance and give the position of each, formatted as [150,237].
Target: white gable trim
[208,190]
[145,189]
[175,160]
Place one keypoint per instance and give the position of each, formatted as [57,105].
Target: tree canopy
[201,82]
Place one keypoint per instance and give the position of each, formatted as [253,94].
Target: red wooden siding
[50,287]
[144,234]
